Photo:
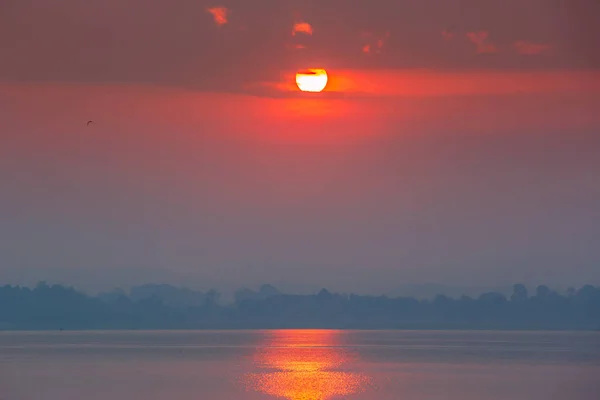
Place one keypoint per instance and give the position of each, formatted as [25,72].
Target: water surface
[299,365]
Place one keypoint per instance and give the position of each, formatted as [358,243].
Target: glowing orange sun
[312,80]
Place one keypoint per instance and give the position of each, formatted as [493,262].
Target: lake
[299,365]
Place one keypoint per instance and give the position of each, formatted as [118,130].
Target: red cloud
[447,35]
[295,46]
[219,14]
[529,48]
[480,40]
[302,27]
[374,44]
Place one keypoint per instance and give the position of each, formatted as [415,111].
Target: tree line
[166,307]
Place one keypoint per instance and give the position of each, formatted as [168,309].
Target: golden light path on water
[304,365]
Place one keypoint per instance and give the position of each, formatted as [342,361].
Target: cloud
[423,83]
[302,27]
[295,46]
[530,48]
[373,44]
[447,35]
[480,40]
[219,15]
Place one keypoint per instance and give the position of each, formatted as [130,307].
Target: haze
[457,143]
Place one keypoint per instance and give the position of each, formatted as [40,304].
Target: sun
[312,80]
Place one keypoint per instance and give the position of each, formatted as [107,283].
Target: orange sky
[425,83]
[301,188]
[462,146]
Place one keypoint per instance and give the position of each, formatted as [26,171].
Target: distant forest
[56,307]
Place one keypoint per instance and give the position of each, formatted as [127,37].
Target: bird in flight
[89,123]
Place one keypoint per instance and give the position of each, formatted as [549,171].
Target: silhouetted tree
[268,291]
[542,291]
[54,306]
[519,293]
[212,297]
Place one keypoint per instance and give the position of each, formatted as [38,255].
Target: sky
[456,143]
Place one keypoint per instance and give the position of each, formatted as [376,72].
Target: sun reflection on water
[305,365]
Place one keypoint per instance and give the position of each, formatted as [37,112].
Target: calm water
[299,365]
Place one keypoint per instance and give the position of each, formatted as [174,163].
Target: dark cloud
[447,35]
[529,48]
[373,43]
[482,43]
[175,42]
